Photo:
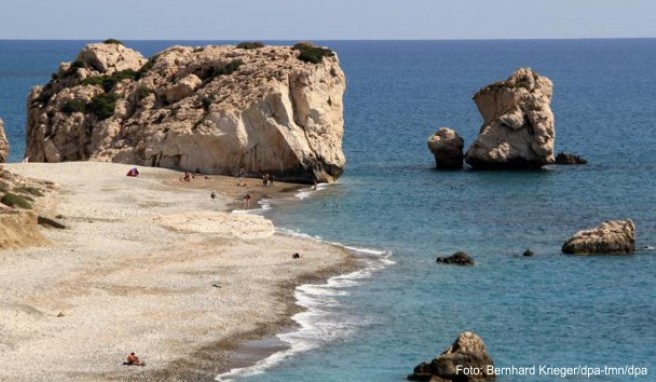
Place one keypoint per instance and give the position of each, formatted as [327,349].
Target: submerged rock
[528,253]
[216,109]
[467,352]
[458,258]
[446,145]
[4,144]
[567,158]
[518,125]
[615,236]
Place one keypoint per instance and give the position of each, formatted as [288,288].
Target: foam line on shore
[305,193]
[319,323]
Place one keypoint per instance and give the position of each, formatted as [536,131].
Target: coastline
[139,269]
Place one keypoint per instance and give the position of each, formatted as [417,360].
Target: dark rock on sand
[296,256]
[567,158]
[47,222]
[458,258]
[469,352]
[616,236]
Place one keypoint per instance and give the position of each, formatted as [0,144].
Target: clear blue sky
[326,19]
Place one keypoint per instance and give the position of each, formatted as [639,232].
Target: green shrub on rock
[311,53]
[29,190]
[147,66]
[74,106]
[108,82]
[113,41]
[250,45]
[103,105]
[13,200]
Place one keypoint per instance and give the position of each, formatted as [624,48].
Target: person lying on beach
[186,177]
[133,360]
[133,172]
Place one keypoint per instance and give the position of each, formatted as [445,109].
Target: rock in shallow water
[446,145]
[567,158]
[468,352]
[616,236]
[518,124]
[458,258]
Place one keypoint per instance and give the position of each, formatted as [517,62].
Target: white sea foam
[305,193]
[319,324]
[265,205]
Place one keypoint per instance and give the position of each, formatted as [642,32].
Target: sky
[326,19]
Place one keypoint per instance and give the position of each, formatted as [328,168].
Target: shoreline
[175,233]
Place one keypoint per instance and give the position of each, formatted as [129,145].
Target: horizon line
[345,40]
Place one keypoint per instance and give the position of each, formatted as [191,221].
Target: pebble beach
[148,265]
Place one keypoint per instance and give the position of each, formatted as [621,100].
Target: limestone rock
[458,258]
[446,145]
[467,351]
[111,58]
[216,109]
[567,158]
[518,124]
[4,144]
[615,236]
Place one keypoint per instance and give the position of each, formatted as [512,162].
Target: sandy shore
[149,265]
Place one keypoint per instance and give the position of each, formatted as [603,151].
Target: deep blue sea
[550,309]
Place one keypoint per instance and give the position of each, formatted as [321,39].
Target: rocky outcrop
[616,236]
[518,125]
[446,145]
[18,221]
[215,109]
[467,352]
[567,158]
[4,144]
[458,258]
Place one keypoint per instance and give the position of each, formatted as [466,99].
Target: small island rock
[4,144]
[616,236]
[446,145]
[469,352]
[567,158]
[518,125]
[458,258]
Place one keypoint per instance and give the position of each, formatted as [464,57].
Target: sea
[397,213]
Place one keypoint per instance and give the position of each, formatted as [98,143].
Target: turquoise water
[550,309]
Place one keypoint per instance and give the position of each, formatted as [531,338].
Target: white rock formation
[518,124]
[217,109]
[4,144]
[615,236]
[446,145]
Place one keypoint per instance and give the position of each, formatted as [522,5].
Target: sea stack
[446,145]
[468,353]
[246,110]
[4,143]
[518,124]
[615,236]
